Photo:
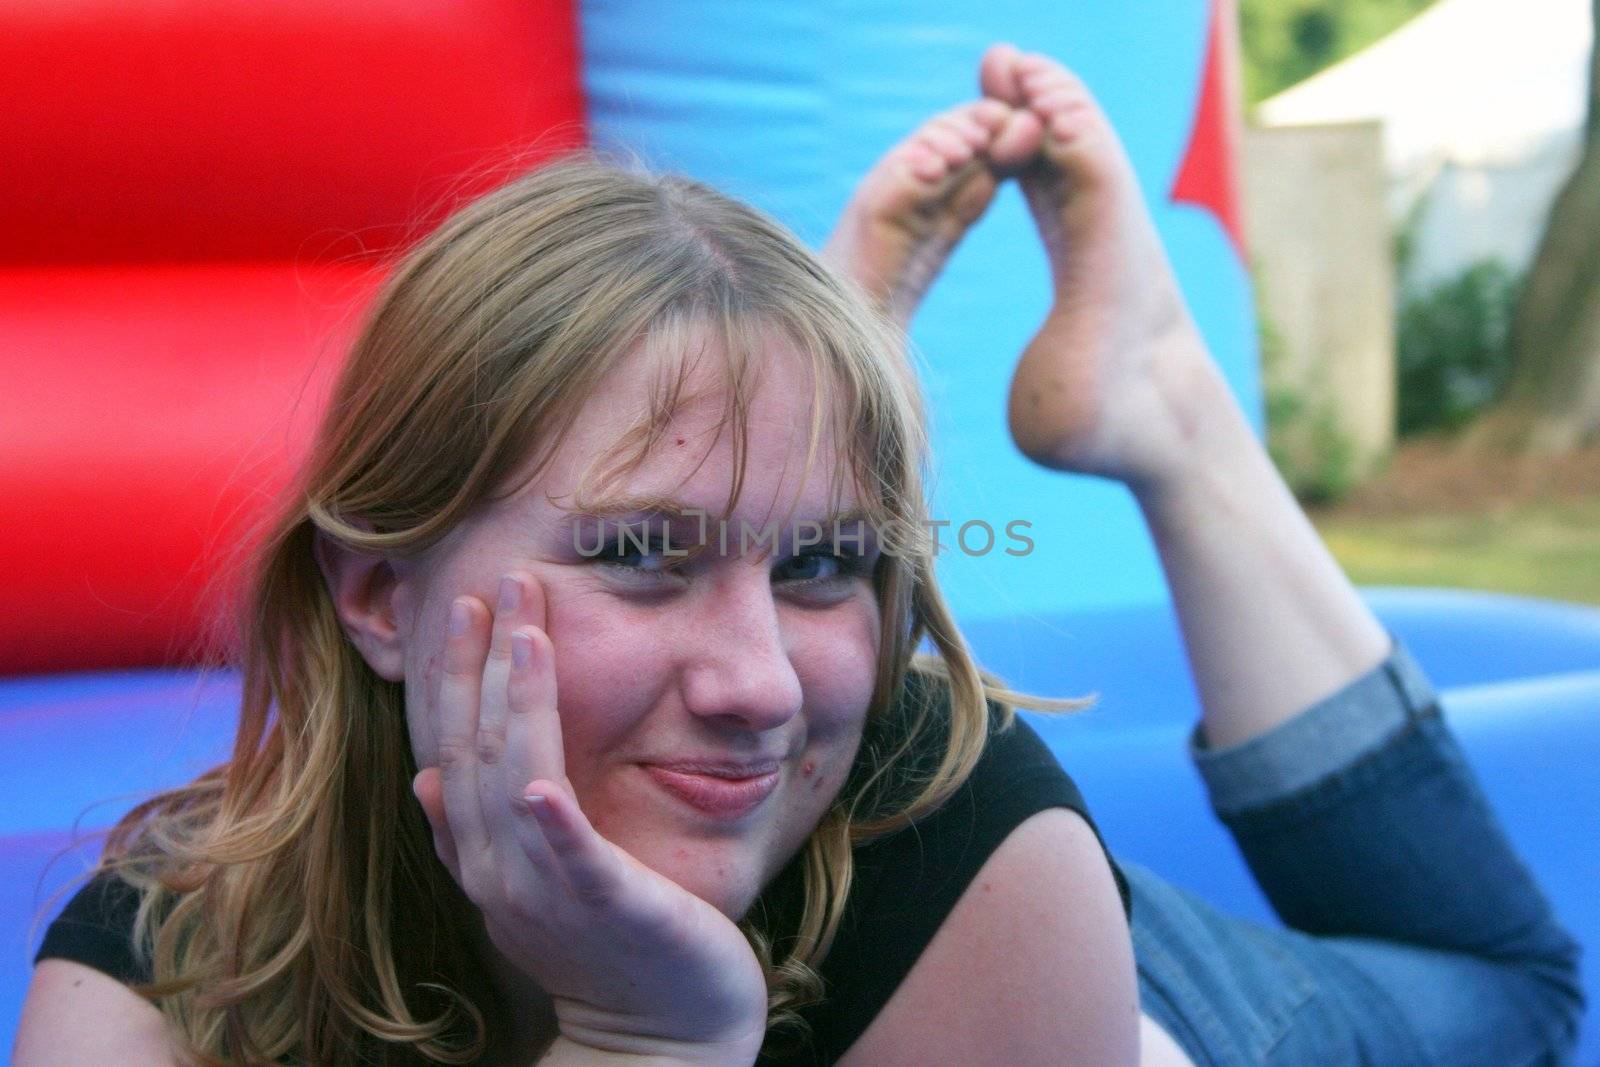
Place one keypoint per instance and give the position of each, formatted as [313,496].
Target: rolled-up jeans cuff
[1327,737]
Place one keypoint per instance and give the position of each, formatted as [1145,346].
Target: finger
[428,788]
[456,725]
[533,729]
[586,862]
[491,739]
[506,762]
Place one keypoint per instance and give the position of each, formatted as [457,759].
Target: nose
[739,668]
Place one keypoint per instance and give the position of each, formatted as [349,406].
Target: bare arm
[1032,966]
[75,1015]
[564,1053]
[1270,621]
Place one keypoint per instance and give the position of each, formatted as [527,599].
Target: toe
[1059,103]
[960,122]
[946,143]
[1017,142]
[990,114]
[924,163]
[1039,73]
[1033,63]
[997,74]
[1060,100]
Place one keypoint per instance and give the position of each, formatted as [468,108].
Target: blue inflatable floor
[1520,681]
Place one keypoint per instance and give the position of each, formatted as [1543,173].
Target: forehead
[676,394]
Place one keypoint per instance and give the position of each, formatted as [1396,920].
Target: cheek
[836,656]
[611,665]
[424,663]
[590,627]
[837,661]
[423,617]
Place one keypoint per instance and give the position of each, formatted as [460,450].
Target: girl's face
[747,656]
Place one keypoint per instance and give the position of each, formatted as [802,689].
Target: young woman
[582,723]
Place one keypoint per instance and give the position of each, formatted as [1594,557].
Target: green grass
[1544,549]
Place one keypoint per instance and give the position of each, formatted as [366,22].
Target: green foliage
[1543,548]
[1453,351]
[1287,41]
[1313,455]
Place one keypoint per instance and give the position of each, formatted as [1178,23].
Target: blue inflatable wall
[788,104]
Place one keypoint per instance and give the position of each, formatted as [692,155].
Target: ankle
[1204,433]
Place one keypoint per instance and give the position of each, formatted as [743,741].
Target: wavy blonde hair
[278,889]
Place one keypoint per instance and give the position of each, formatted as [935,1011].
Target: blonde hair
[277,887]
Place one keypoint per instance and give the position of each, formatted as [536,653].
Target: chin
[731,893]
[732,901]
[724,877]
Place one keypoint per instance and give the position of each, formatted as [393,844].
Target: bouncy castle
[200,196]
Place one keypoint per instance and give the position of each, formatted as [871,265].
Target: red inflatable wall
[195,205]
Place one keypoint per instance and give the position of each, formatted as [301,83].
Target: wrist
[610,1050]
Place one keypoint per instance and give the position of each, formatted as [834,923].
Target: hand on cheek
[625,954]
[480,647]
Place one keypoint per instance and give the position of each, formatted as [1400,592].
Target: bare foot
[1101,388]
[917,202]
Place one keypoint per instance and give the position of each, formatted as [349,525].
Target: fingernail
[510,593]
[460,618]
[521,649]
[535,800]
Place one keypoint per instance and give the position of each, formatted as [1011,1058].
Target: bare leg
[1418,935]
[1118,383]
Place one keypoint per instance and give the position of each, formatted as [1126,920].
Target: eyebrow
[664,507]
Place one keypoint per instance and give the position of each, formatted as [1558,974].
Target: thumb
[428,787]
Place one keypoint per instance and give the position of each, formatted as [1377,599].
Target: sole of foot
[1118,337]
[914,206]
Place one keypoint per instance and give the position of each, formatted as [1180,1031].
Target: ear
[369,596]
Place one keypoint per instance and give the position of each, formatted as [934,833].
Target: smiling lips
[722,792]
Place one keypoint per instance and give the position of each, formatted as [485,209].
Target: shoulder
[96,929]
[1017,820]
[79,1008]
[1038,939]
[75,1014]
[1016,777]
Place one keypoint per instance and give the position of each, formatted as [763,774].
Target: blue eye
[642,557]
[821,567]
[646,557]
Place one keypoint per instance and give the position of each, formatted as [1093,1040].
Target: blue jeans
[1415,934]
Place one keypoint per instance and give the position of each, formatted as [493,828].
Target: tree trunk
[1551,402]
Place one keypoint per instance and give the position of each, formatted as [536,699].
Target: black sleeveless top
[905,883]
